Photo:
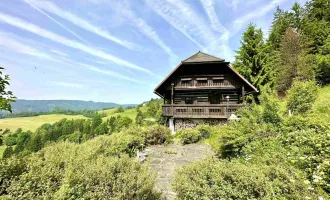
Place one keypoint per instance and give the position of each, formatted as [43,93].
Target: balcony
[199,110]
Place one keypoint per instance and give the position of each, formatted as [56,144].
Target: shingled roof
[202,57]
[199,58]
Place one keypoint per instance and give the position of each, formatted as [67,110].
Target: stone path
[165,159]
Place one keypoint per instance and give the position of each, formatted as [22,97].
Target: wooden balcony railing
[201,84]
[199,111]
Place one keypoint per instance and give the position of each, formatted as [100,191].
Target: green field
[131,113]
[32,123]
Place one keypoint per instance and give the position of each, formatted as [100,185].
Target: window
[214,98]
[202,100]
[201,81]
[189,100]
[233,98]
[186,82]
[218,81]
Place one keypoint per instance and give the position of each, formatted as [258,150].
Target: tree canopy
[6,96]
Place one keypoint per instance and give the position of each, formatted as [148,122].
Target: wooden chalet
[202,87]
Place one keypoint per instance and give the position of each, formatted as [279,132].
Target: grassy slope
[32,123]
[321,107]
[131,113]
[322,104]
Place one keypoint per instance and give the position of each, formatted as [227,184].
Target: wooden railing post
[243,94]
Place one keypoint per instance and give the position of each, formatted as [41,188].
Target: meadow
[131,112]
[32,123]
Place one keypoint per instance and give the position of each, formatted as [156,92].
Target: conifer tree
[252,58]
[139,117]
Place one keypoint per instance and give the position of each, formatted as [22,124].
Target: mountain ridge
[24,105]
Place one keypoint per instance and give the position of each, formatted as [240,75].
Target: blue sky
[116,51]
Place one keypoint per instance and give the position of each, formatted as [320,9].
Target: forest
[279,149]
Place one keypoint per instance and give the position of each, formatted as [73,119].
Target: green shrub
[157,134]
[205,130]
[213,179]
[116,144]
[309,151]
[188,136]
[11,140]
[71,171]
[301,96]
[10,169]
[120,109]
[8,152]
[122,122]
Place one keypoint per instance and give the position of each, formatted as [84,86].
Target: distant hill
[22,105]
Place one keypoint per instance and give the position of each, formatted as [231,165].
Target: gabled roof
[202,57]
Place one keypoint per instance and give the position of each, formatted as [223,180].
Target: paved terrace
[165,159]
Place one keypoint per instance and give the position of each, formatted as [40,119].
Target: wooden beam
[172,93]
[243,94]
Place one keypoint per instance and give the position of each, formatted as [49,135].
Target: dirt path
[165,159]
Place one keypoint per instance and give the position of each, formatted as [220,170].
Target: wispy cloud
[58,52]
[258,12]
[220,44]
[177,18]
[235,4]
[66,84]
[211,13]
[57,22]
[190,23]
[19,23]
[143,27]
[82,23]
[13,44]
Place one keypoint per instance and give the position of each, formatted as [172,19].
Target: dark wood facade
[203,86]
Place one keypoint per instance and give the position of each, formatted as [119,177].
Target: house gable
[201,64]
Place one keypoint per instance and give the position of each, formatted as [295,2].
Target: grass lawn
[131,113]
[32,123]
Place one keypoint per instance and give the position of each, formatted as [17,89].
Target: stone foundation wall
[192,123]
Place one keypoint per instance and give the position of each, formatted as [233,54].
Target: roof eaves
[167,77]
[246,81]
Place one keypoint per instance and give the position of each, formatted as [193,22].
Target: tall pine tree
[316,31]
[252,58]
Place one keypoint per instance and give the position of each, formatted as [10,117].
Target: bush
[10,140]
[122,122]
[120,109]
[309,151]
[8,152]
[71,171]
[157,134]
[10,169]
[213,179]
[116,144]
[188,136]
[301,97]
[205,130]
